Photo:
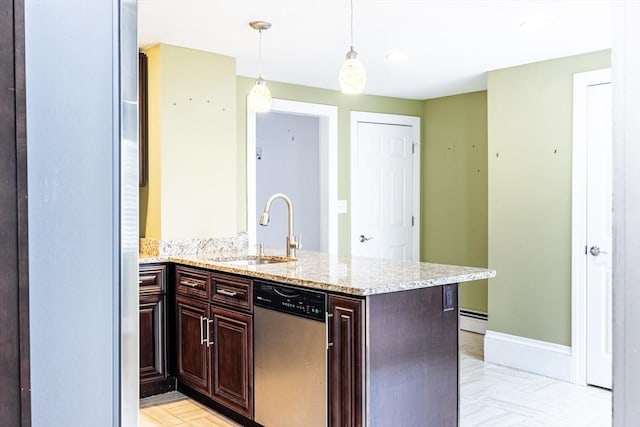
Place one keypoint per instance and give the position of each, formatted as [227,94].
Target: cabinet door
[345,362]
[192,364]
[232,360]
[153,365]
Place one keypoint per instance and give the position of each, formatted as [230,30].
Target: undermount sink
[257,260]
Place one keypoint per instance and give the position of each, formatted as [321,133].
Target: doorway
[287,153]
[385,186]
[592,229]
[327,171]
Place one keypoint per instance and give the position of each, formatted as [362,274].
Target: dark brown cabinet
[391,357]
[192,359]
[345,361]
[232,377]
[154,375]
[214,337]
[409,364]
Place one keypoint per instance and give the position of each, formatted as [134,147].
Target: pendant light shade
[259,99]
[353,76]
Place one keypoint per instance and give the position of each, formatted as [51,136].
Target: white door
[599,235]
[384,206]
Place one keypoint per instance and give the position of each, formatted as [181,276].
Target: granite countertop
[344,274]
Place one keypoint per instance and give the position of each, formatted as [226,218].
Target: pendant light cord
[351,24]
[260,53]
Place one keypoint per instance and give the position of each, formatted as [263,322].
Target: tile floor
[495,396]
[490,396]
[177,410]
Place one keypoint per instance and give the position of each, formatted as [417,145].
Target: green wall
[345,104]
[529,196]
[454,187]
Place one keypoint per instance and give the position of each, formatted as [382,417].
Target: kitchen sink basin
[256,260]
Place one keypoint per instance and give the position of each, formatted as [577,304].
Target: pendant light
[352,74]
[260,97]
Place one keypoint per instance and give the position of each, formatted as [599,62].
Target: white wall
[289,164]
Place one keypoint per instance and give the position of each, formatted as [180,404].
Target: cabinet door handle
[188,283]
[227,292]
[209,341]
[202,340]
[329,316]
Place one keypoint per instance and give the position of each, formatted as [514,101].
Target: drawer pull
[227,292]
[188,283]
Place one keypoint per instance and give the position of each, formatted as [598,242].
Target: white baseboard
[538,357]
[473,323]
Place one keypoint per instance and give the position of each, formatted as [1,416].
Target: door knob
[363,238]
[595,251]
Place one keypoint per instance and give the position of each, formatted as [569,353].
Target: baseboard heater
[473,321]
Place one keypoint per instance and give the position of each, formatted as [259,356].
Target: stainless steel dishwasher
[290,356]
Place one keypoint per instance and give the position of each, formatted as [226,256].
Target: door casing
[328,141]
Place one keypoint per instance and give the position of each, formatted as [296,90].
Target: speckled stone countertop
[344,274]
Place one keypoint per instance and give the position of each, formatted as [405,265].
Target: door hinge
[413,148]
[413,221]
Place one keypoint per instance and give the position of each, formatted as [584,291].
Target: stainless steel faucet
[292,243]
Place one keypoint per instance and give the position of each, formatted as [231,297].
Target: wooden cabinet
[392,357]
[345,362]
[192,359]
[408,369]
[152,349]
[232,362]
[154,360]
[214,337]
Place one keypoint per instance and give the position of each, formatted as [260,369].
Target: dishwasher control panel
[286,299]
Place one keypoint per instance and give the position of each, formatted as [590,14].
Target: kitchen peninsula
[389,334]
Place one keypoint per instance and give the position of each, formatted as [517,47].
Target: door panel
[382,194]
[345,362]
[152,361]
[193,356]
[599,235]
[232,378]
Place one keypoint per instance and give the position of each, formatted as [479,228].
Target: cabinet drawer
[192,282]
[232,291]
[151,279]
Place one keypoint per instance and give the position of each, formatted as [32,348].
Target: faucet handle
[299,242]
[260,249]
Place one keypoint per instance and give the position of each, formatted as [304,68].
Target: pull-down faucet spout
[292,244]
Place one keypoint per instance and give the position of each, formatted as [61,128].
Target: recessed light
[396,56]
[537,24]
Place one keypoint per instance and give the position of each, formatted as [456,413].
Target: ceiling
[450,43]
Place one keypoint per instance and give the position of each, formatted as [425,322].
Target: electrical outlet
[448,302]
